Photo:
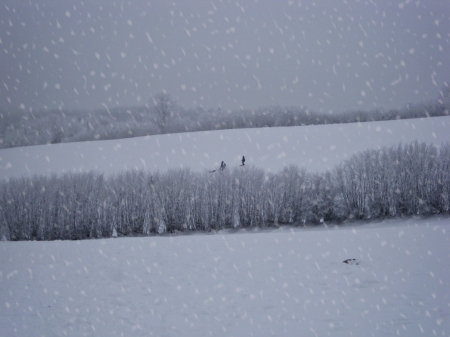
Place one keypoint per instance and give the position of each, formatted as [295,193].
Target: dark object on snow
[243,160]
[222,165]
[351,261]
[213,171]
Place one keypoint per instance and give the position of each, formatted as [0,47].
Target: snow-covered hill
[277,282]
[315,147]
[289,282]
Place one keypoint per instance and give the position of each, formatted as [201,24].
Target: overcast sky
[327,55]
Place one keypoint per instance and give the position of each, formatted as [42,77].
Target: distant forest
[411,179]
[163,115]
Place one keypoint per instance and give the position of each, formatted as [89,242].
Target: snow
[330,56]
[253,54]
[316,148]
[283,282]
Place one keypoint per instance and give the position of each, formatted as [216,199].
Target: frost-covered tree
[406,179]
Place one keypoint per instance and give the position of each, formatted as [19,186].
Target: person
[222,165]
[243,160]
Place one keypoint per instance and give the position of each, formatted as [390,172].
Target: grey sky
[327,55]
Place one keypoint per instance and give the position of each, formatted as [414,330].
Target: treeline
[402,180]
[163,115]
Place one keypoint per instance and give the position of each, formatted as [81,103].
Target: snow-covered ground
[279,282]
[286,282]
[315,147]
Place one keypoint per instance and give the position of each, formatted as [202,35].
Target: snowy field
[286,282]
[316,148]
[278,282]
[324,56]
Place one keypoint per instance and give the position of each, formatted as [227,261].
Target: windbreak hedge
[401,180]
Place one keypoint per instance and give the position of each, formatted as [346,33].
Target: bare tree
[163,108]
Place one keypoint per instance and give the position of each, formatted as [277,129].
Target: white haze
[327,55]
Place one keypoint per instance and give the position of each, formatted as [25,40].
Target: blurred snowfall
[327,55]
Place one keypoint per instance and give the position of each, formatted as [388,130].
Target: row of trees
[402,180]
[163,115]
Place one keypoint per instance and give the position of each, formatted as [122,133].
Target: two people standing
[223,165]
